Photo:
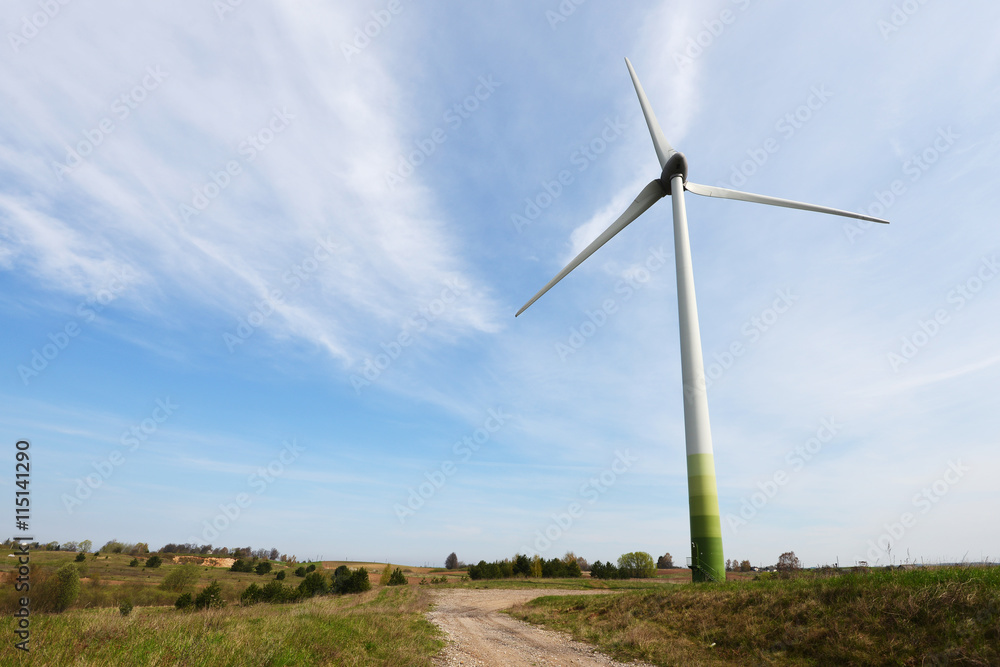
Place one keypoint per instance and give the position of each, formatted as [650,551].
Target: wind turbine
[707,562]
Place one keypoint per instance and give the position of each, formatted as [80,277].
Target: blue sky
[259,264]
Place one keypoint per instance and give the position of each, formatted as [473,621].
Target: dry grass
[377,628]
[924,617]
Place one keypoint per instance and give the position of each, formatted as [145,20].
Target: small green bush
[397,578]
[313,584]
[280,576]
[134,562]
[210,596]
[310,568]
[80,557]
[184,602]
[125,608]
[251,595]
[154,561]
[180,578]
[263,568]
[301,571]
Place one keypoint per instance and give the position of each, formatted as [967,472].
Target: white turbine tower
[706,530]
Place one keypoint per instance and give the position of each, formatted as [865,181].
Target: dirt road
[480,636]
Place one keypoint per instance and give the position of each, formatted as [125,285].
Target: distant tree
[789,562]
[582,563]
[636,565]
[86,545]
[451,562]
[154,561]
[665,562]
[599,570]
[397,578]
[522,565]
[536,566]
[69,546]
[386,575]
[745,566]
[273,554]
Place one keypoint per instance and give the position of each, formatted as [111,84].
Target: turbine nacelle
[677,165]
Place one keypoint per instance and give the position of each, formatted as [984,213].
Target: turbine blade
[663,148]
[723,193]
[650,194]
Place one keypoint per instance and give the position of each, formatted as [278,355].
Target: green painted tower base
[707,562]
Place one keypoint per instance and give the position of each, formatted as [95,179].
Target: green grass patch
[928,616]
[383,628]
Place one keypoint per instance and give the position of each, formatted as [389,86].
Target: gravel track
[478,635]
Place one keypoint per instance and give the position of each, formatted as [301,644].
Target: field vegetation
[926,616]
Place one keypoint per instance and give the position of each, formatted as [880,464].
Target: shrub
[280,575]
[184,602]
[80,557]
[345,581]
[154,561]
[276,592]
[301,571]
[125,608]
[64,587]
[251,595]
[397,578]
[240,565]
[210,596]
[313,584]
[180,578]
[310,568]
[263,568]
[134,562]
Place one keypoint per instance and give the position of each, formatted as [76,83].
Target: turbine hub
[676,165]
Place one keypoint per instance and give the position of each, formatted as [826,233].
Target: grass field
[385,627]
[927,617]
[944,616]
